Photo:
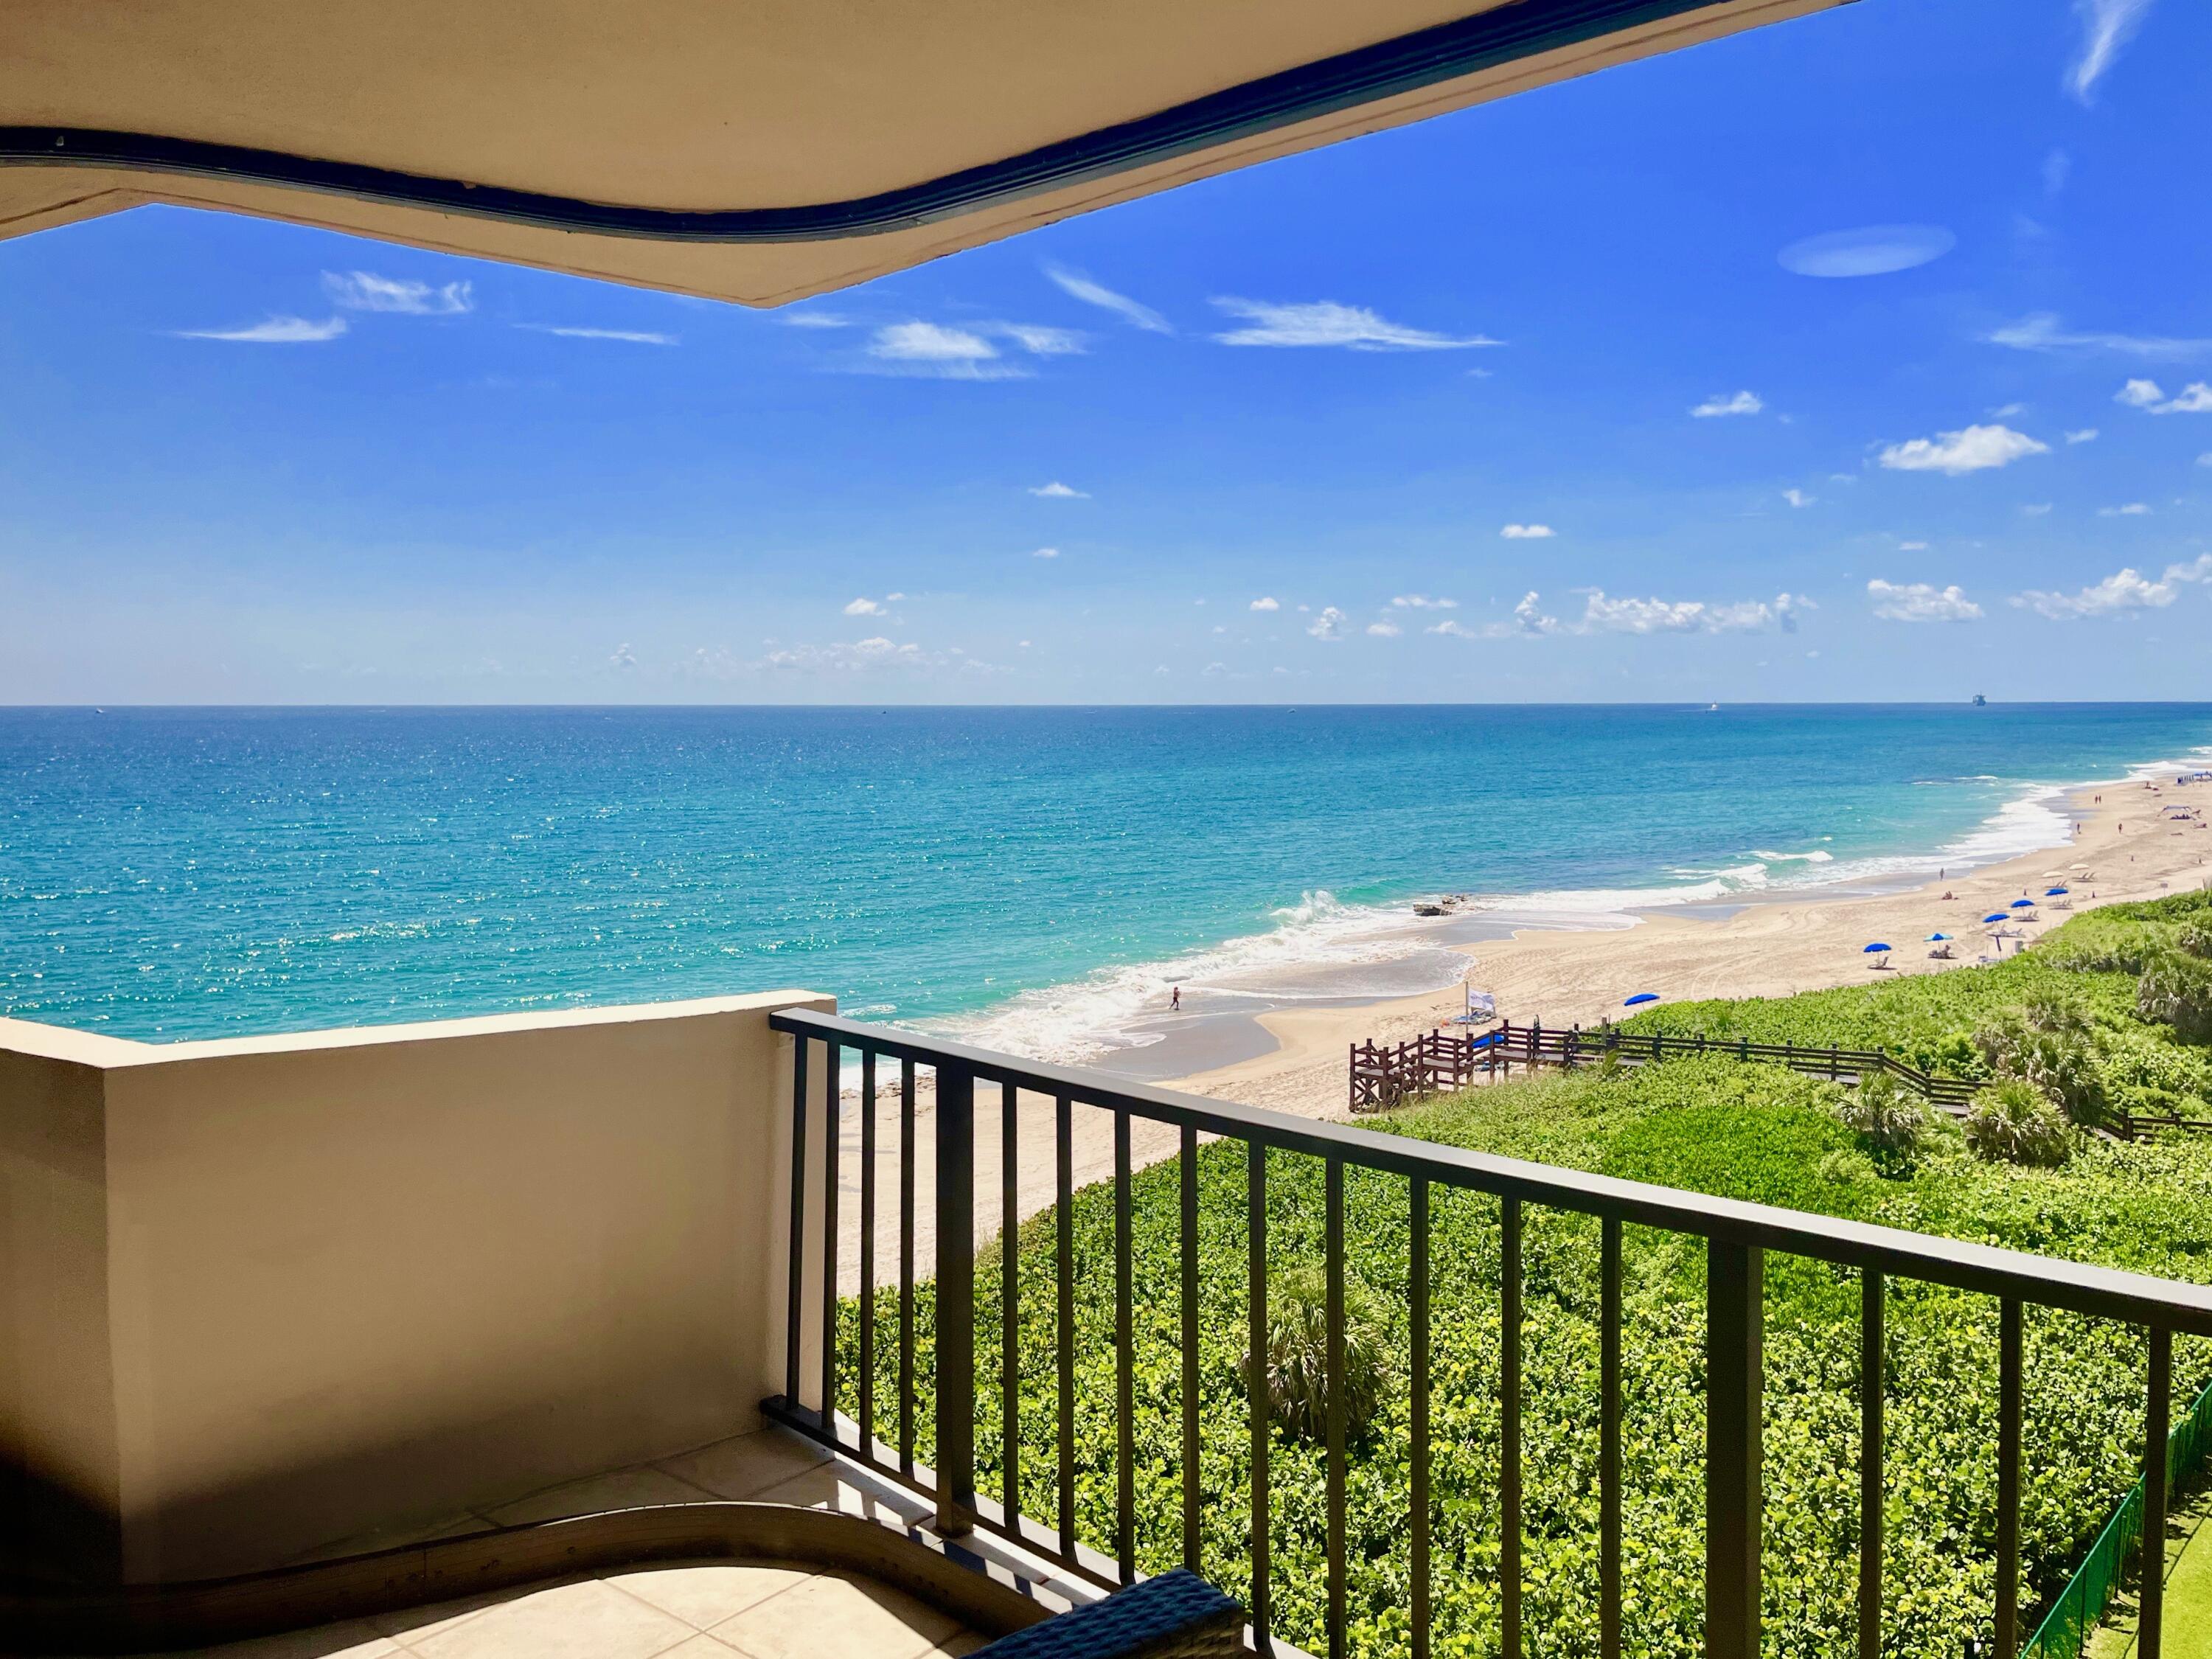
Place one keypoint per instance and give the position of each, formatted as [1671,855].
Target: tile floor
[705,1612]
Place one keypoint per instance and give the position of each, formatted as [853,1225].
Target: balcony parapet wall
[260,1295]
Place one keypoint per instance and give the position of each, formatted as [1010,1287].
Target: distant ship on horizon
[1980,702]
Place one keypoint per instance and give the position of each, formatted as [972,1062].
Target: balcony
[358,1322]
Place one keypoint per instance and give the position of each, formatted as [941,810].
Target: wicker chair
[1177,1615]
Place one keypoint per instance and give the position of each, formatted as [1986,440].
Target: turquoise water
[1036,876]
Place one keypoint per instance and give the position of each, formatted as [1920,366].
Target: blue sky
[1563,397]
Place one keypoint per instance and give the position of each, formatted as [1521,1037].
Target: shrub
[1296,1358]
[2175,990]
[1889,1118]
[2046,1043]
[2196,937]
[2012,1122]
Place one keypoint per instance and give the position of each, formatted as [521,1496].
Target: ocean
[1032,878]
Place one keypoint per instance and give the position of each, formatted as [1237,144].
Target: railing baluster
[2009,1392]
[1608,1454]
[1735,1278]
[1874,1306]
[906,1267]
[1509,1452]
[1009,1347]
[1256,1384]
[2150,1621]
[793,1311]
[1417,1204]
[1125,1389]
[955,1300]
[868,1254]
[1333,1250]
[1192,1488]
[833,1057]
[1064,1266]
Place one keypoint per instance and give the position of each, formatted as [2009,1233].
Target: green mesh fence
[2066,1627]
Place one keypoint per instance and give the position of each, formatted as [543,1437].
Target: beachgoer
[1175,999]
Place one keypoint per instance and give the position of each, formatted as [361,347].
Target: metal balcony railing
[1736,1235]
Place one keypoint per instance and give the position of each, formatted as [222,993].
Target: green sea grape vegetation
[1707,1124]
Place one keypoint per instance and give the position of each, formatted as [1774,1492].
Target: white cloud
[363,290]
[627,335]
[1328,625]
[1325,323]
[929,342]
[2195,399]
[622,657]
[1798,498]
[2006,411]
[2132,510]
[1097,294]
[1972,449]
[1046,553]
[1452,628]
[2086,434]
[1920,602]
[2042,332]
[814,319]
[1057,491]
[2205,460]
[1527,533]
[2037,509]
[1868,251]
[1266,603]
[873,654]
[1529,619]
[1604,615]
[1743,403]
[1036,338]
[1384,630]
[864,607]
[1912,547]
[2125,590]
[276,331]
[2106,25]
[1423,602]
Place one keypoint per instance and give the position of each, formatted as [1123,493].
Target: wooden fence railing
[1383,1076]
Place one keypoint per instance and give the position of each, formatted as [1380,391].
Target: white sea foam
[1088,1018]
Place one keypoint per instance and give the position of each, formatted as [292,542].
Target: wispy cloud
[625,336]
[2195,399]
[1970,449]
[1603,614]
[1798,498]
[1043,342]
[2086,434]
[1325,323]
[814,319]
[1097,294]
[623,658]
[1046,553]
[1527,532]
[1385,630]
[364,290]
[1867,251]
[1921,602]
[2106,25]
[968,353]
[1057,491]
[2043,331]
[274,330]
[1742,403]
[1266,602]
[1423,602]
[2132,510]
[2123,591]
[864,607]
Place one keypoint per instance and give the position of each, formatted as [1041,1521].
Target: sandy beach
[1768,946]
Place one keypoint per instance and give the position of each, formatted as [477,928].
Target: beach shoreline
[1767,944]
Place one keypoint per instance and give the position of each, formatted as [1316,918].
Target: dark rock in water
[1428,910]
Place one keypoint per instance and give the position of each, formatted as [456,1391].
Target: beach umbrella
[1641,996]
[1871,949]
[2052,892]
[2023,904]
[1998,916]
[1932,938]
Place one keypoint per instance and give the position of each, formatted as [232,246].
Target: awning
[760,153]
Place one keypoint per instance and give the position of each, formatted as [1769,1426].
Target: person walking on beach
[1175,998]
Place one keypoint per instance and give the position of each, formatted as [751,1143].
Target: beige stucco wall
[264,1294]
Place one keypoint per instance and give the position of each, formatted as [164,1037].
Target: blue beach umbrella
[1871,949]
[1932,938]
[1998,916]
[2052,892]
[1641,996]
[2023,904]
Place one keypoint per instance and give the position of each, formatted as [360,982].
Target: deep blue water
[171,873]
